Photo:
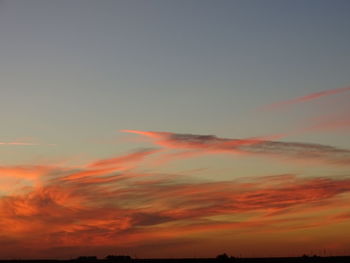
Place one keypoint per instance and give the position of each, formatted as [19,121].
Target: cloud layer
[109,204]
[124,203]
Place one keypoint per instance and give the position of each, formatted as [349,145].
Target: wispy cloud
[18,143]
[120,161]
[112,165]
[259,146]
[306,98]
[23,142]
[339,121]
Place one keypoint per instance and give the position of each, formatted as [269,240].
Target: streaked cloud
[110,165]
[306,98]
[134,157]
[130,208]
[257,146]
[18,143]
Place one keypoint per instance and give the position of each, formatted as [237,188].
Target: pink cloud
[306,98]
[18,143]
[194,145]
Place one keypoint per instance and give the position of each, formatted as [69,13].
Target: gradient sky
[166,128]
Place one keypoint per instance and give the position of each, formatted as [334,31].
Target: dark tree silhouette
[222,257]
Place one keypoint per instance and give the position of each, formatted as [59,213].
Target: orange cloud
[112,165]
[111,203]
[23,176]
[109,208]
[121,161]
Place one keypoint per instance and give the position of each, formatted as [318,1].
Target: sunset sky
[174,128]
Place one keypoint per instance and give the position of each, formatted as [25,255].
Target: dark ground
[339,259]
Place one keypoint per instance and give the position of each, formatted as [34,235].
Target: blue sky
[76,71]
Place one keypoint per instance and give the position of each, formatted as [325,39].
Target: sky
[166,128]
